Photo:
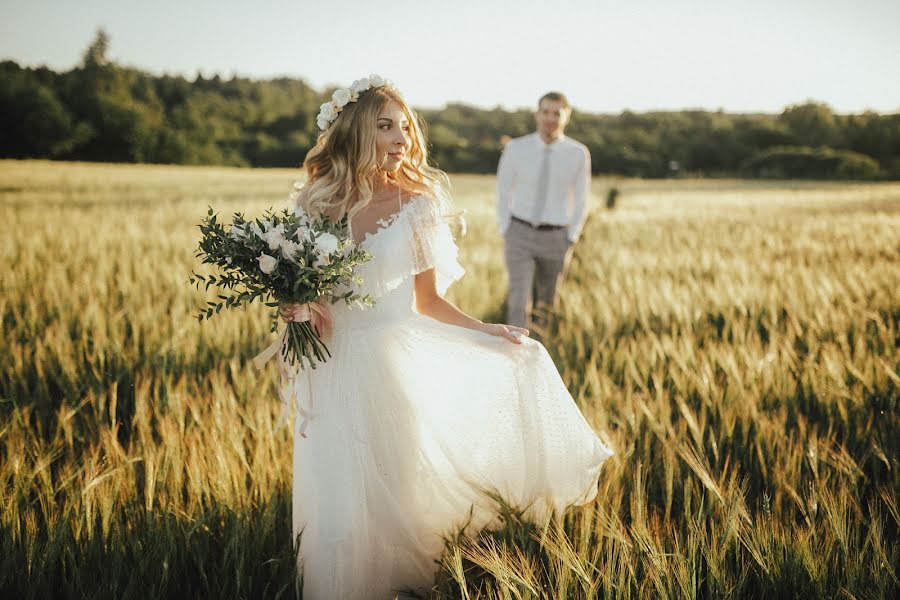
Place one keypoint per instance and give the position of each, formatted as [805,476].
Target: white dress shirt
[568,185]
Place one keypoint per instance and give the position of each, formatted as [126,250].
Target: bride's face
[392,138]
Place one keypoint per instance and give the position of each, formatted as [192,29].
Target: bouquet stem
[302,342]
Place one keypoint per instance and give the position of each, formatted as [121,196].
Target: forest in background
[102,111]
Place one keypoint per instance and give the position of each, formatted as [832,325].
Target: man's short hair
[556,97]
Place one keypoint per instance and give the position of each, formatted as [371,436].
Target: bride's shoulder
[429,202]
[435,215]
[424,207]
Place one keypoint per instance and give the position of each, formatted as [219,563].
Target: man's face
[551,117]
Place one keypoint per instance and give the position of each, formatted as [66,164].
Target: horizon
[229,76]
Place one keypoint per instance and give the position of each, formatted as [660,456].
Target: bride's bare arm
[430,303]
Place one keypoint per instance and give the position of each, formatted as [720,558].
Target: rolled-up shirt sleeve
[506,181]
[580,197]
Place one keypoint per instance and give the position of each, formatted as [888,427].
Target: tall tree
[95,54]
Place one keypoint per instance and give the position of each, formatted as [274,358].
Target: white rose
[326,244]
[256,230]
[274,237]
[327,111]
[289,249]
[341,96]
[323,123]
[377,81]
[267,263]
[360,85]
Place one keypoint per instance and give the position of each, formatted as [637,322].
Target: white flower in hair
[341,97]
[328,112]
[360,85]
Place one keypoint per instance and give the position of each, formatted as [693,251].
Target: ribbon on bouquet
[292,390]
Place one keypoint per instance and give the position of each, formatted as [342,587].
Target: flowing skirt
[413,420]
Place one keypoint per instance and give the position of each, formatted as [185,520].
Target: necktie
[543,185]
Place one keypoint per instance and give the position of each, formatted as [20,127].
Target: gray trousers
[535,261]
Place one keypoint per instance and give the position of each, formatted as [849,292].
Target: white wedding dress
[412,419]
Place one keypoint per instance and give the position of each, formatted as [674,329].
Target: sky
[606,55]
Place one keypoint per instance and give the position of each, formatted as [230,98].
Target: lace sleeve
[433,245]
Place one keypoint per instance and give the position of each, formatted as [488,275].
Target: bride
[421,409]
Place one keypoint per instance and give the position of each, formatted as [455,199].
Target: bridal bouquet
[285,257]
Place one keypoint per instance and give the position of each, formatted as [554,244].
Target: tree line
[101,111]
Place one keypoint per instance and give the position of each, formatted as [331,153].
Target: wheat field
[738,343]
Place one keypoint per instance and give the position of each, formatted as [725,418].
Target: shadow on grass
[222,554]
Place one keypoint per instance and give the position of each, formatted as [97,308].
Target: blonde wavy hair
[342,167]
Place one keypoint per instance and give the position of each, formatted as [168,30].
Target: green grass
[738,342]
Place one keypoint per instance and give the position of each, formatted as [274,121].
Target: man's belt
[539,226]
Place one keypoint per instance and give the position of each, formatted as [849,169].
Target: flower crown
[329,111]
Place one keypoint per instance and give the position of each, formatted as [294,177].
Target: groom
[542,184]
